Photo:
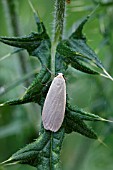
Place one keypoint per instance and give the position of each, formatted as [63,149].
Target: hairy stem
[59,17]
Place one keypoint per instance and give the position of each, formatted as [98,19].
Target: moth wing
[54,106]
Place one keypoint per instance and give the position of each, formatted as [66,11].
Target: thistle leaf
[71,49]
[73,112]
[79,27]
[81,67]
[38,45]
[75,49]
[34,43]
[77,125]
[43,153]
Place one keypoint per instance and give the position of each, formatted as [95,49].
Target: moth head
[60,75]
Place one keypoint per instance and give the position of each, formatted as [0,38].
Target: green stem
[59,18]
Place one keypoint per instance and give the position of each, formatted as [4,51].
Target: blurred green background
[20,125]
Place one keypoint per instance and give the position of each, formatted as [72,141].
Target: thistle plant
[55,55]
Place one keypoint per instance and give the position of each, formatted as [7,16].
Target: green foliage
[44,153]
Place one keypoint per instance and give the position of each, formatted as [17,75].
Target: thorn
[106,120]
[31,5]
[6,56]
[9,54]
[48,70]
[2,104]
[36,14]
[94,10]
[103,75]
[33,9]
[106,75]
[111,78]
[5,162]
[25,87]
[103,143]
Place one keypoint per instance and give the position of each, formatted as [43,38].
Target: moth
[54,106]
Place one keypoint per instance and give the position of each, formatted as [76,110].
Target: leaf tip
[106,120]
[5,56]
[31,5]
[6,162]
[2,104]
[103,143]
[106,74]
[9,161]
[33,9]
